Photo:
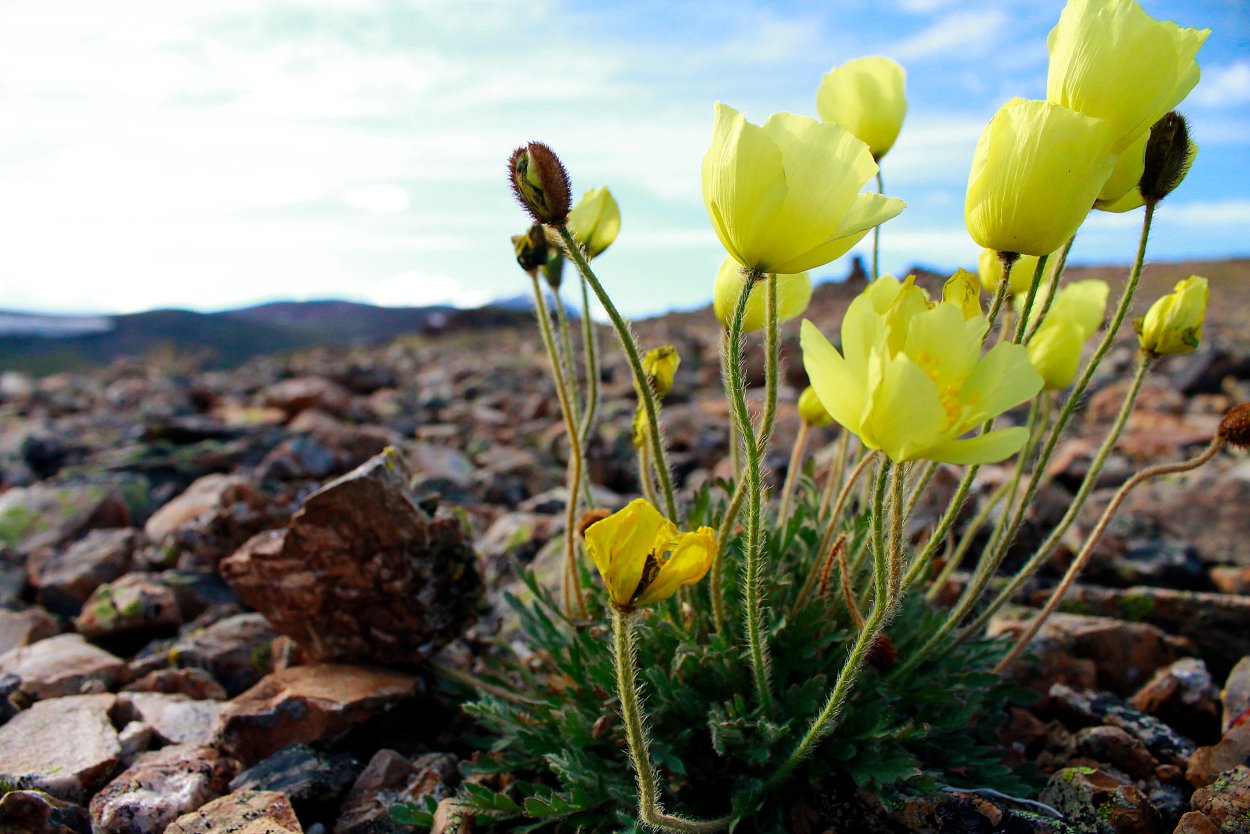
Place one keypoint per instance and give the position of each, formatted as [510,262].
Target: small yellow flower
[1055,349]
[783,197]
[643,558]
[1036,172]
[1173,324]
[866,96]
[911,380]
[963,289]
[990,271]
[660,365]
[596,220]
[811,411]
[794,292]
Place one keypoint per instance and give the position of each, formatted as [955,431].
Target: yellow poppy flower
[596,220]
[783,197]
[1173,324]
[866,96]
[1055,349]
[1036,172]
[794,292]
[990,271]
[963,289]
[911,380]
[660,366]
[643,558]
[810,409]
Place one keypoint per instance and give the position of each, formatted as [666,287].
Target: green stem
[735,439]
[591,349]
[570,376]
[1028,299]
[898,516]
[645,392]
[796,460]
[723,534]
[876,232]
[1008,260]
[927,473]
[1052,288]
[831,528]
[837,471]
[943,527]
[965,542]
[650,812]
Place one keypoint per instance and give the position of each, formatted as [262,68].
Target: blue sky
[214,153]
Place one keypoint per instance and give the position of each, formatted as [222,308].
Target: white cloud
[415,288]
[1226,86]
[381,198]
[951,35]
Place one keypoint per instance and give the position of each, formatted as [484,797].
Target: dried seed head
[1235,427]
[1169,153]
[540,183]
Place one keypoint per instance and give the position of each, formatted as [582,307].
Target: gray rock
[159,787]
[1094,801]
[22,628]
[301,774]
[47,516]
[173,719]
[65,579]
[1164,743]
[64,746]
[390,779]
[62,665]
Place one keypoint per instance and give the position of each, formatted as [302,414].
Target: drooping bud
[532,248]
[1235,427]
[1169,153]
[660,366]
[812,410]
[540,183]
[596,220]
[1173,324]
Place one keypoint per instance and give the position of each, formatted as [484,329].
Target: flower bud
[963,289]
[793,294]
[1173,324]
[532,248]
[866,96]
[596,220]
[1169,153]
[1055,349]
[660,366]
[540,183]
[811,410]
[990,271]
[1235,427]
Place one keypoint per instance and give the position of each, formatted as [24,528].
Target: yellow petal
[685,559]
[596,220]
[963,289]
[840,387]
[1001,380]
[1055,350]
[1173,324]
[866,96]
[990,447]
[794,292]
[619,546]
[905,416]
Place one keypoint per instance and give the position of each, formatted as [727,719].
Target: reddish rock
[207,521]
[391,779]
[35,812]
[1116,748]
[49,516]
[22,628]
[66,747]
[65,579]
[1231,579]
[196,684]
[1226,801]
[1236,694]
[241,812]
[136,604]
[1196,823]
[1183,695]
[62,665]
[236,651]
[362,573]
[159,787]
[295,395]
[1207,763]
[1095,801]
[173,719]
[307,704]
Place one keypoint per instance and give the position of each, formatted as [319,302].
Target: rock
[1226,800]
[362,573]
[1084,708]
[135,738]
[196,684]
[1196,823]
[22,628]
[390,779]
[241,812]
[1124,654]
[1183,696]
[1236,694]
[174,719]
[1207,763]
[307,704]
[295,395]
[236,651]
[66,747]
[1094,801]
[1231,579]
[211,518]
[35,812]
[64,580]
[512,539]
[159,787]
[137,604]
[1116,748]
[312,781]
[62,665]
[48,516]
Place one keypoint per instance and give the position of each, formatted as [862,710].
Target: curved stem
[965,543]
[591,350]
[832,526]
[837,471]
[1008,260]
[650,812]
[645,481]
[1051,288]
[898,516]
[796,458]
[943,527]
[645,392]
[735,439]
[723,534]
[1078,564]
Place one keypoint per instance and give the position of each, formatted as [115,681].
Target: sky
[211,154]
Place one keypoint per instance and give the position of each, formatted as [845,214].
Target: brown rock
[236,651]
[241,812]
[390,779]
[1207,763]
[207,521]
[62,665]
[1095,801]
[196,684]
[22,628]
[174,719]
[1236,694]
[159,787]
[1116,748]
[307,704]
[1231,579]
[1196,823]
[138,603]
[362,573]
[48,516]
[1183,695]
[1226,801]
[35,812]
[64,746]
[295,395]
[65,579]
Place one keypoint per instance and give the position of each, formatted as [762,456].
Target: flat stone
[362,574]
[136,604]
[307,704]
[1231,579]
[1164,743]
[66,747]
[241,812]
[1183,695]
[1094,801]
[22,628]
[48,516]
[65,579]
[159,787]
[207,521]
[195,683]
[236,651]
[35,812]
[390,779]
[174,719]
[295,395]
[62,665]
[1195,822]
[1207,763]
[1225,802]
[1116,748]
[301,774]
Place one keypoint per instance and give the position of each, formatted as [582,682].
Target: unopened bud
[1169,153]
[660,366]
[540,183]
[532,248]
[812,410]
[1235,427]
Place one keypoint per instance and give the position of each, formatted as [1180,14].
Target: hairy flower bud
[540,183]
[1169,153]
[1235,427]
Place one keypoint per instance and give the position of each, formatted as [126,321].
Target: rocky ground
[220,595]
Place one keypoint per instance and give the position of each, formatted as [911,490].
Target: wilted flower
[1173,324]
[990,271]
[794,292]
[911,379]
[532,248]
[660,366]
[1037,170]
[596,220]
[1055,349]
[783,197]
[866,96]
[540,183]
[811,411]
[642,556]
